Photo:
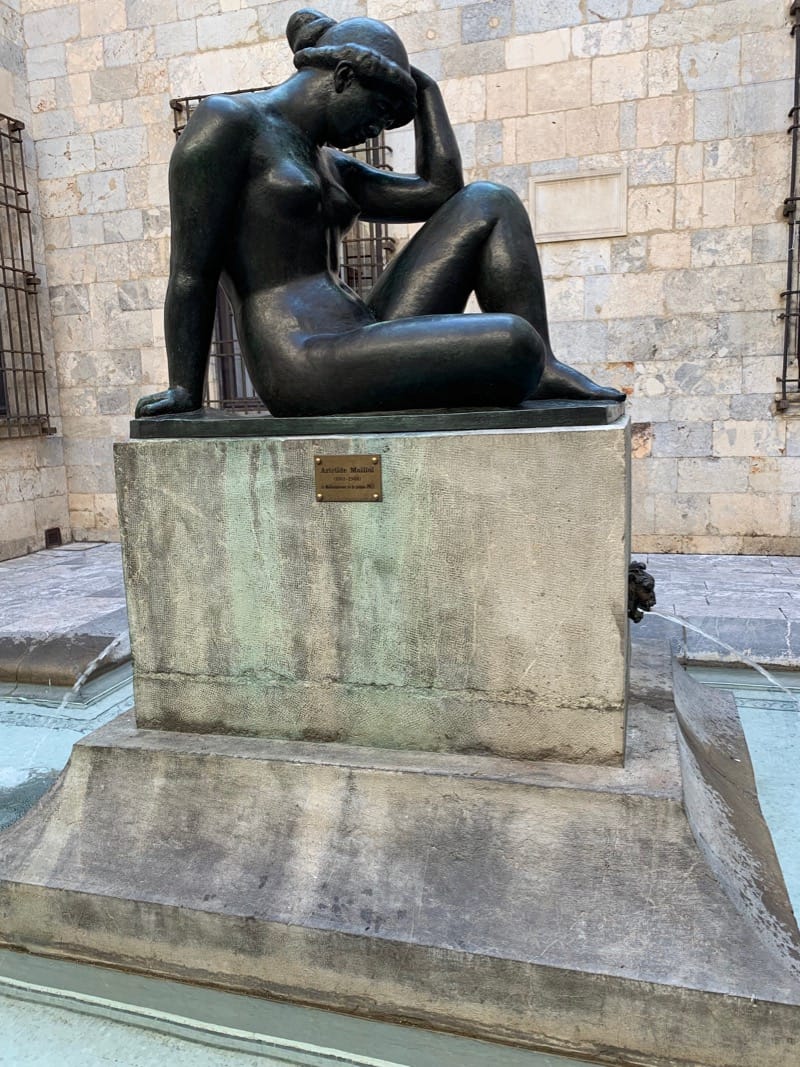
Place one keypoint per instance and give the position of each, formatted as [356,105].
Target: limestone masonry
[679,110]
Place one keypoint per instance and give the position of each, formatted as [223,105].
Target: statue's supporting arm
[202,210]
[189,309]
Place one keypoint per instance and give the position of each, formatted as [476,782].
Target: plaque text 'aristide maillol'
[348,479]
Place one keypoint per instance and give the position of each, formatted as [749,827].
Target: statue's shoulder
[219,124]
[223,110]
[228,104]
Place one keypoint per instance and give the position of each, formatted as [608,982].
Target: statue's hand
[170,402]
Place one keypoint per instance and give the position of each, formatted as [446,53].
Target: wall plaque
[348,478]
[573,207]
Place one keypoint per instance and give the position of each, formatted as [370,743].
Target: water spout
[90,668]
[773,681]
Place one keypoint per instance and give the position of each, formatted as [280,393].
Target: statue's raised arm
[260,201]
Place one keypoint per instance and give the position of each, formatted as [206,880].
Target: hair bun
[305,27]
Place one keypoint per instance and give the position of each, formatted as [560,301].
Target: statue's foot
[560,382]
[171,402]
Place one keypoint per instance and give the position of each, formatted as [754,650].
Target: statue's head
[369,65]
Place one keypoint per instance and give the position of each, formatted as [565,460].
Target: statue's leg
[425,361]
[479,241]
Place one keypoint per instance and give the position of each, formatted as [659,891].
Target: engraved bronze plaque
[348,478]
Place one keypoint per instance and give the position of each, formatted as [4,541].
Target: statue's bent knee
[491,194]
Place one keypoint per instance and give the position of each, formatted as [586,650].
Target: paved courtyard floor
[131,1021]
[61,609]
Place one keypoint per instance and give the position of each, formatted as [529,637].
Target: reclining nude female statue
[260,197]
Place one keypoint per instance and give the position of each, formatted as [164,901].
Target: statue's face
[356,112]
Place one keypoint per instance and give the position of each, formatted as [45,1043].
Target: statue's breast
[284,189]
[339,208]
[290,191]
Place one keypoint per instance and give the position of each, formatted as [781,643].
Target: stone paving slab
[60,610]
[208,1025]
[751,603]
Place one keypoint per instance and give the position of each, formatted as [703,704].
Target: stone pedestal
[480,606]
[315,802]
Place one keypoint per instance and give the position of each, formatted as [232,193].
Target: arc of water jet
[773,681]
[89,669]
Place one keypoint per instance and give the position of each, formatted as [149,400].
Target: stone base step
[550,906]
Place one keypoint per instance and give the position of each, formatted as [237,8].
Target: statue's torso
[291,210]
[281,261]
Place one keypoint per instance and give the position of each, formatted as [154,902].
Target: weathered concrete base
[557,906]
[480,606]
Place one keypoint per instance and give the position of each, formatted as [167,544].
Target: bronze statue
[259,202]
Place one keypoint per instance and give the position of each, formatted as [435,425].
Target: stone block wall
[33,484]
[690,100]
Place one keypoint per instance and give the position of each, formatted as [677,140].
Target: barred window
[23,395]
[364,253]
[789,381]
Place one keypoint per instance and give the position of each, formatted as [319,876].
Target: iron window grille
[789,381]
[365,251]
[23,393]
